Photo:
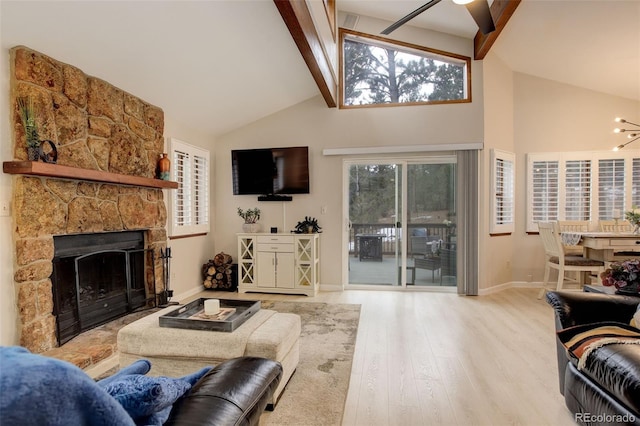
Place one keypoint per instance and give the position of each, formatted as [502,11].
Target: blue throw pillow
[141,366]
[148,400]
[142,396]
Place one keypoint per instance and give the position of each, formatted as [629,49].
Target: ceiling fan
[479,10]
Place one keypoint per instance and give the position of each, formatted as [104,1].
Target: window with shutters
[544,190]
[611,187]
[503,166]
[577,191]
[581,185]
[189,204]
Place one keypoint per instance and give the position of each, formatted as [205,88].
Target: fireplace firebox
[97,278]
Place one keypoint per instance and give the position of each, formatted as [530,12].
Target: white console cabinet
[279,263]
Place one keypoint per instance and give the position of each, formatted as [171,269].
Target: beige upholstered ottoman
[176,352]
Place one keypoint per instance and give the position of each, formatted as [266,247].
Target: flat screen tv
[270,171]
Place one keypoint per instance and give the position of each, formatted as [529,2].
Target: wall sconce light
[633,136]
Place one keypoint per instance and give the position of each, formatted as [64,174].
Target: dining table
[605,246]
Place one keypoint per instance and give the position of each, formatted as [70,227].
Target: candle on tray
[211,306]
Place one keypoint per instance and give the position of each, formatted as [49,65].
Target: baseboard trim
[339,287]
[331,287]
[507,285]
[188,294]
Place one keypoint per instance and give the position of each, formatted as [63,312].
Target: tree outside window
[379,71]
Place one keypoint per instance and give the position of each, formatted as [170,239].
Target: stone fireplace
[95,126]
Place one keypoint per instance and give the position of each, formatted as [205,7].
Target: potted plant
[307,226]
[634,218]
[624,276]
[28,115]
[251,217]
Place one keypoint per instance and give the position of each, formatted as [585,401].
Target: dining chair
[573,226]
[555,258]
[615,226]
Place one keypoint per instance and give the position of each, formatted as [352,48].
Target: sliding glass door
[374,215]
[431,223]
[388,200]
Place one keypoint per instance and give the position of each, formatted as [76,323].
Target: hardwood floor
[443,359]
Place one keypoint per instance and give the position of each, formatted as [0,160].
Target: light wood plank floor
[443,359]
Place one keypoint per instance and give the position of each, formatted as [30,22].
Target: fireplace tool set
[166,295]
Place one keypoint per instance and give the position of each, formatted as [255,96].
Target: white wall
[312,124]
[190,253]
[555,117]
[495,251]
[526,114]
[8,306]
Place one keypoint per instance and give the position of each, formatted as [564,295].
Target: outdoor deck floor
[374,272]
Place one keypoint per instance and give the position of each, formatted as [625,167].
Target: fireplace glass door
[93,286]
[101,287]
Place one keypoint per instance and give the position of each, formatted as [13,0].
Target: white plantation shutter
[611,187]
[200,190]
[580,185]
[190,202]
[577,190]
[503,167]
[543,192]
[182,204]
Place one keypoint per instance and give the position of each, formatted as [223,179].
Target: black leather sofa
[235,392]
[607,389]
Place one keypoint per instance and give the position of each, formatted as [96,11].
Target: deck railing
[437,231]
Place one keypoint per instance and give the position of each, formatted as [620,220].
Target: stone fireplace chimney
[95,126]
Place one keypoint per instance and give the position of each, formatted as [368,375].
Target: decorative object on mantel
[164,167]
[633,136]
[51,156]
[217,273]
[634,218]
[28,115]
[251,217]
[308,226]
[624,276]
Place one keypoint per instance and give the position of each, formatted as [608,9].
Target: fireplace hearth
[97,278]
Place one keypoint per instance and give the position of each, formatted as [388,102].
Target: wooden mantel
[37,168]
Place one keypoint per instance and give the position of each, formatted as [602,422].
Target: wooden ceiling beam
[297,17]
[501,11]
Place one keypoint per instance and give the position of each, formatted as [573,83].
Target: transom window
[588,186]
[379,71]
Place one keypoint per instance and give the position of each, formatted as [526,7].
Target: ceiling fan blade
[479,10]
[409,17]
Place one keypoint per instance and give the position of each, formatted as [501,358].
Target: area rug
[317,391]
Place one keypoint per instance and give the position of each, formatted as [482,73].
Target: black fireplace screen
[97,278]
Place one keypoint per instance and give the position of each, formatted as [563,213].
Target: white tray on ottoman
[175,352]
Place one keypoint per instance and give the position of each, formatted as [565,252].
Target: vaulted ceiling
[218,65]
[593,44]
